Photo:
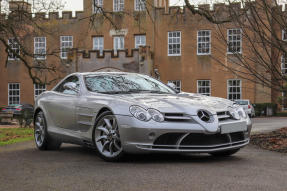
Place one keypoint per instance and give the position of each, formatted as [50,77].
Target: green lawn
[10,136]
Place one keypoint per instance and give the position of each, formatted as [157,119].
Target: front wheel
[107,137]
[42,139]
[225,153]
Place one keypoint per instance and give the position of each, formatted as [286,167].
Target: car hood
[184,102]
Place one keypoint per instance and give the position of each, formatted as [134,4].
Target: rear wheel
[42,139]
[225,153]
[107,138]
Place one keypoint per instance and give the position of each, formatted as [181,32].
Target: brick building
[167,42]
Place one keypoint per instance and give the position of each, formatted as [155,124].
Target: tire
[42,139]
[224,153]
[106,137]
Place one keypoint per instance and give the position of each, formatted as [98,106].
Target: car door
[62,104]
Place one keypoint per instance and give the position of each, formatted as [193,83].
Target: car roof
[100,73]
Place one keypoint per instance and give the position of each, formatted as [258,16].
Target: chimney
[20,5]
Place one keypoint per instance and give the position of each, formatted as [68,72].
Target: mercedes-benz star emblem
[203,115]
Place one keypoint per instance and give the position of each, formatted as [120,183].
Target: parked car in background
[247,106]
[119,113]
[22,112]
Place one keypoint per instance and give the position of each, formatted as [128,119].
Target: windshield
[241,102]
[125,83]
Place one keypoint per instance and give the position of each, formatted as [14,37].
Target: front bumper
[137,137]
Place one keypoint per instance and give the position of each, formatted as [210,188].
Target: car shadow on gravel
[91,154]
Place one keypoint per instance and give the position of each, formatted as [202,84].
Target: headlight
[145,115]
[241,113]
[140,113]
[156,115]
[238,113]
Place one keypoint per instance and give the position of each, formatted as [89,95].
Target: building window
[13,93]
[66,44]
[234,89]
[38,89]
[119,5]
[119,43]
[284,64]
[177,84]
[234,41]
[203,42]
[284,35]
[174,43]
[14,45]
[140,5]
[40,48]
[98,5]
[204,87]
[140,40]
[98,44]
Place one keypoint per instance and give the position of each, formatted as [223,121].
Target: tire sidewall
[108,159]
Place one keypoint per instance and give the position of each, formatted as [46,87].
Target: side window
[61,89]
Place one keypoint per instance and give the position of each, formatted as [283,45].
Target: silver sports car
[119,113]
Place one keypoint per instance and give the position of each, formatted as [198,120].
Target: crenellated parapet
[137,60]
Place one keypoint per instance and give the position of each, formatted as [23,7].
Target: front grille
[168,139]
[223,115]
[177,117]
[235,137]
[204,139]
[198,140]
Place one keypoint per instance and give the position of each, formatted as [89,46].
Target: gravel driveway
[22,167]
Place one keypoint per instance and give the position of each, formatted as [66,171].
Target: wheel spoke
[103,130]
[116,145]
[108,123]
[104,137]
[104,146]
[111,148]
[38,124]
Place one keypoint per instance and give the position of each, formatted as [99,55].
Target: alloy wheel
[107,138]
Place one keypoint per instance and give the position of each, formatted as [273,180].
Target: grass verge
[15,135]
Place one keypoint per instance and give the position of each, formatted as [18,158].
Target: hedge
[261,108]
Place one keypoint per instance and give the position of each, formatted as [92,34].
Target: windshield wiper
[147,91]
[115,92]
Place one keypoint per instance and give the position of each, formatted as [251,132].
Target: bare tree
[17,23]
[263,25]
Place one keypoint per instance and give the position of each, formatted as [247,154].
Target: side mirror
[71,86]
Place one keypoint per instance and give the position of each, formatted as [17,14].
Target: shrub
[261,108]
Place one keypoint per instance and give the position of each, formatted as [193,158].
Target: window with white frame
[38,89]
[284,64]
[15,49]
[234,41]
[119,43]
[66,44]
[98,5]
[177,84]
[174,43]
[140,40]
[284,35]
[119,5]
[98,43]
[13,93]
[234,89]
[140,5]
[40,48]
[203,42]
[204,87]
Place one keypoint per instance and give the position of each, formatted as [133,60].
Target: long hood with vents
[179,103]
